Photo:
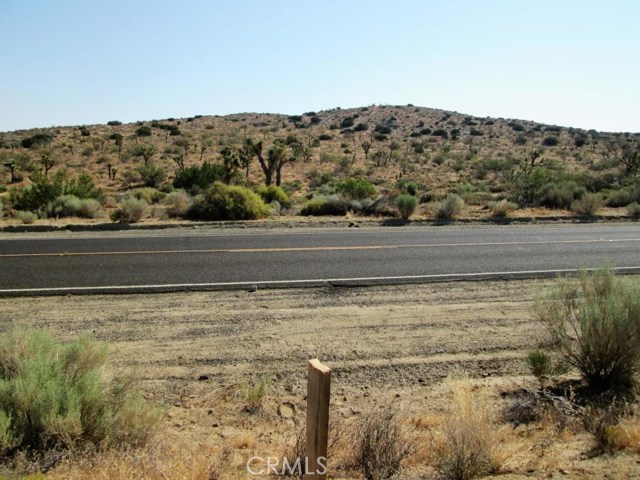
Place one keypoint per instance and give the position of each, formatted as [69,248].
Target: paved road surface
[185,259]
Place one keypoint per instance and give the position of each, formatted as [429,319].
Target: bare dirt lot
[393,345]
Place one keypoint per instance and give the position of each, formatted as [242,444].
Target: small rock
[355,410]
[252,288]
[204,377]
[287,410]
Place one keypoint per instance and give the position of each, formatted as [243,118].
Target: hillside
[438,152]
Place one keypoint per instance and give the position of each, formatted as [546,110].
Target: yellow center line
[309,249]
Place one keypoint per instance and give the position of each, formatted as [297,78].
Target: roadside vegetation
[58,400]
[362,161]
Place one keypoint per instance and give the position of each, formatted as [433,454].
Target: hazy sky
[73,62]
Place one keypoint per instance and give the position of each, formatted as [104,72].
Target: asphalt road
[191,260]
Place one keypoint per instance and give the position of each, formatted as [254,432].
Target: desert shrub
[273,193]
[610,427]
[56,396]
[152,175]
[588,205]
[466,449]
[148,194]
[450,207]
[595,324]
[1,209]
[255,393]
[44,190]
[623,197]
[83,187]
[633,210]
[560,195]
[114,123]
[528,183]
[502,208]
[130,210]
[409,187]
[26,217]
[177,203]
[320,206]
[407,205]
[551,141]
[225,202]
[380,445]
[337,205]
[41,191]
[143,131]
[72,206]
[200,177]
[357,189]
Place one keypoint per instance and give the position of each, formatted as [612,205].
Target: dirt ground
[196,353]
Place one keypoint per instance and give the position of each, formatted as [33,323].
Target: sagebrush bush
[72,206]
[380,445]
[407,205]
[588,205]
[595,324]
[57,396]
[273,193]
[130,210]
[623,197]
[177,204]
[228,202]
[502,208]
[450,207]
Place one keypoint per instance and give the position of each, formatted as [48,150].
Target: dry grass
[467,445]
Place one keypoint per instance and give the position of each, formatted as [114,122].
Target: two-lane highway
[184,259]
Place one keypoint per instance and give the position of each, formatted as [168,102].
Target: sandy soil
[195,352]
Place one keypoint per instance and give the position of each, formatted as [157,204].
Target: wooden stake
[318,397]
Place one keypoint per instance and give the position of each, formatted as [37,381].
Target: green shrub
[407,205]
[26,217]
[56,396]
[83,187]
[502,208]
[560,195]
[44,190]
[320,206]
[450,207]
[130,210]
[633,210]
[1,209]
[152,175]
[225,202]
[357,189]
[595,324]
[551,141]
[41,191]
[199,177]
[148,194]
[623,197]
[177,204]
[273,193]
[72,206]
[588,205]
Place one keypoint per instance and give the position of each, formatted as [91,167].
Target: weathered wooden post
[318,396]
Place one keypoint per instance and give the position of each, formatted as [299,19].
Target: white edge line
[184,286]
